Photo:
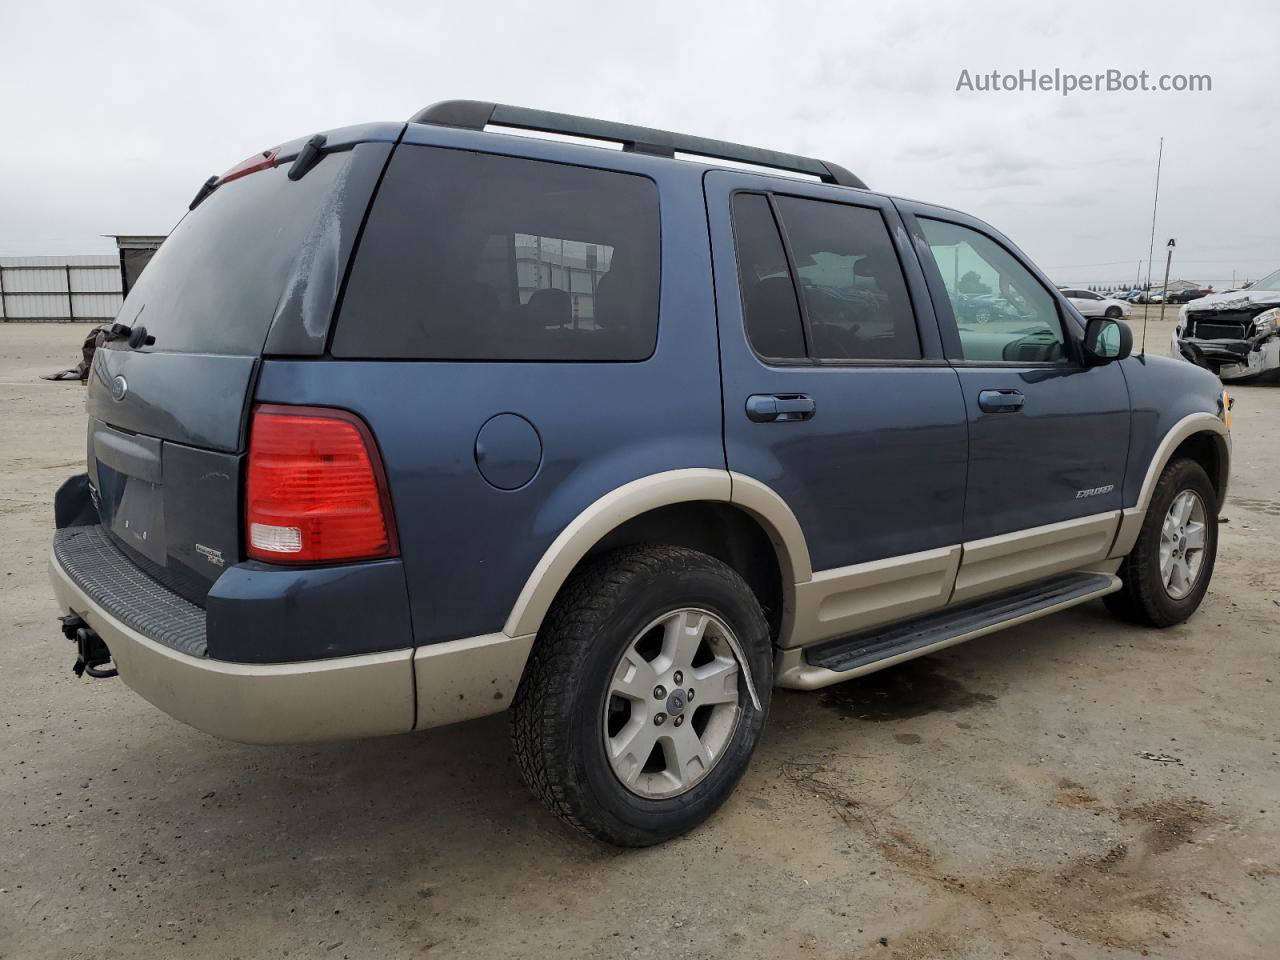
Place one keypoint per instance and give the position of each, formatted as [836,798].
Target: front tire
[1168,570]
[1114,313]
[604,727]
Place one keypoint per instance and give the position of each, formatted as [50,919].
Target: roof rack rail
[477,114]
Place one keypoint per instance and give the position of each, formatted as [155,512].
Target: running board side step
[822,664]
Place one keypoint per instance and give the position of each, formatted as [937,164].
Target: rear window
[216,281]
[470,256]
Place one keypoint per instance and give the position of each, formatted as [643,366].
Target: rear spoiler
[304,153]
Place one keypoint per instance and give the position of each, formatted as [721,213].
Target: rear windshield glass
[471,256]
[214,284]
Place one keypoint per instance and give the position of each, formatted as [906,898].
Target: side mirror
[1106,340]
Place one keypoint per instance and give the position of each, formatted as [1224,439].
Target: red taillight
[259,161]
[316,491]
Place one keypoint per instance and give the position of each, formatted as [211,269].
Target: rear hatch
[253,269]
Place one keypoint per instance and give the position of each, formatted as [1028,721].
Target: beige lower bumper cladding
[334,699]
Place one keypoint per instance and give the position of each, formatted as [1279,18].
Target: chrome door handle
[779,407]
[1001,401]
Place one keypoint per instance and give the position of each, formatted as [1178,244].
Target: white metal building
[60,289]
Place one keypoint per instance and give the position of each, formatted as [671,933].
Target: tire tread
[1142,598]
[552,677]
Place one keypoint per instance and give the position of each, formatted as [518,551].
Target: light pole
[1165,295]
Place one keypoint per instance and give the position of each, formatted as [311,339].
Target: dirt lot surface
[990,801]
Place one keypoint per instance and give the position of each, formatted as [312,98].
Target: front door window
[1003,313]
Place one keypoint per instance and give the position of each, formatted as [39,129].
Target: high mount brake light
[259,161]
[316,489]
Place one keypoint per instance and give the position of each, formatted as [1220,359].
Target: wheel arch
[1211,451]
[1199,436]
[725,514]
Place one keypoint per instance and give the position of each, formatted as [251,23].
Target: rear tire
[567,723]
[1150,595]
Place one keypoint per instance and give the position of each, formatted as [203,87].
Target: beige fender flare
[476,676]
[649,493]
[1131,518]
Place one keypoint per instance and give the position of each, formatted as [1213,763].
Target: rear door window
[854,292]
[470,256]
[769,304]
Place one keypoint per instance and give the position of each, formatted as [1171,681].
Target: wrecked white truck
[1236,334]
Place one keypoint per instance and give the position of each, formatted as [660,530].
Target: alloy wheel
[673,706]
[1182,543]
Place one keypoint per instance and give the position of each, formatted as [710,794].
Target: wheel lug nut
[678,678]
[679,719]
[659,693]
[660,719]
[689,695]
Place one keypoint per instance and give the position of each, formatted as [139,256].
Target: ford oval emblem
[119,387]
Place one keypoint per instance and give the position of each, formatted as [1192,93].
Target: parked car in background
[1233,334]
[1092,304]
[1186,296]
[411,423]
[983,308]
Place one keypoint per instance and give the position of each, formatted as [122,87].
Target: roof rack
[477,114]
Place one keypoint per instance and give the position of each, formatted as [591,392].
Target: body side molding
[793,671]
[844,600]
[1009,559]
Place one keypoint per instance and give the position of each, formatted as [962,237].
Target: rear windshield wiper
[206,188]
[308,157]
[136,335]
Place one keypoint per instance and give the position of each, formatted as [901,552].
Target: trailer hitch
[91,652]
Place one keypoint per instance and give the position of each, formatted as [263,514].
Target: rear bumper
[331,699]
[335,698]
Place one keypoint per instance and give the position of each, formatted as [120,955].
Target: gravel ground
[990,801]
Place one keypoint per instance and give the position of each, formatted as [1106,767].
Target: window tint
[854,292]
[1002,311]
[768,297]
[470,256]
[219,278]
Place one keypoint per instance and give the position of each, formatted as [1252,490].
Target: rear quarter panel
[467,546]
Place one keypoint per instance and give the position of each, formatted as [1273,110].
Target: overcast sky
[114,113]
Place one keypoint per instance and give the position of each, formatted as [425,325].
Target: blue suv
[411,423]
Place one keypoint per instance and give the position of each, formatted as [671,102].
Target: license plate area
[127,472]
[175,509]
